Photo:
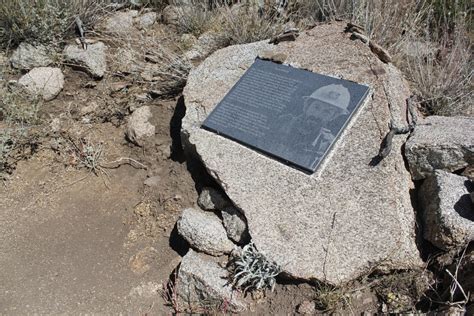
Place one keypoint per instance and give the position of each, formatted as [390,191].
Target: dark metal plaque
[290,114]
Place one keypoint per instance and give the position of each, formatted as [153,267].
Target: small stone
[210,199]
[152,181]
[138,127]
[235,225]
[188,40]
[90,108]
[440,142]
[448,212]
[125,60]
[146,20]
[27,57]
[43,81]
[121,22]
[201,281]
[171,14]
[92,60]
[90,84]
[55,125]
[206,44]
[307,308]
[204,232]
[118,86]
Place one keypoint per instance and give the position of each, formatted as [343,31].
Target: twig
[123,161]
[456,285]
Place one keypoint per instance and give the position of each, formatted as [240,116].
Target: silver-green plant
[253,271]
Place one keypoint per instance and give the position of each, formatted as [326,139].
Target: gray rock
[120,23]
[211,199]
[27,57]
[235,225]
[138,127]
[92,60]
[188,40]
[440,142]
[309,224]
[448,212]
[46,82]
[203,285]
[146,20]
[206,44]
[204,232]
[125,60]
[172,14]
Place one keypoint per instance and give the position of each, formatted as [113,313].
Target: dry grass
[430,40]
[45,21]
[244,23]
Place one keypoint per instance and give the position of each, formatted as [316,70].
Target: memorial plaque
[290,114]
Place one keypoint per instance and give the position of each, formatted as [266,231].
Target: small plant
[252,271]
[329,298]
[195,19]
[247,24]
[88,155]
[7,143]
[18,109]
[169,292]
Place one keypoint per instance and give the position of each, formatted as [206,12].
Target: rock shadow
[177,151]
[178,243]
[464,206]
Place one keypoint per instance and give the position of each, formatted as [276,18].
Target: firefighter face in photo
[324,105]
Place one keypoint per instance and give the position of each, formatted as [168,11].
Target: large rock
[346,219]
[448,212]
[27,57]
[45,82]
[440,142]
[92,60]
[203,285]
[138,126]
[204,232]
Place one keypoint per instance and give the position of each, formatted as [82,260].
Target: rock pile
[202,276]
[346,219]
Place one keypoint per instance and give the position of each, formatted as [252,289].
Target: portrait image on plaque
[290,114]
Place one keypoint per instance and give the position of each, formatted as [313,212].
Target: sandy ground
[77,242]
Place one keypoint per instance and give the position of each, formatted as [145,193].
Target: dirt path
[75,242]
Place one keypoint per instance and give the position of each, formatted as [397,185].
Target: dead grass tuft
[45,21]
[430,40]
[245,23]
